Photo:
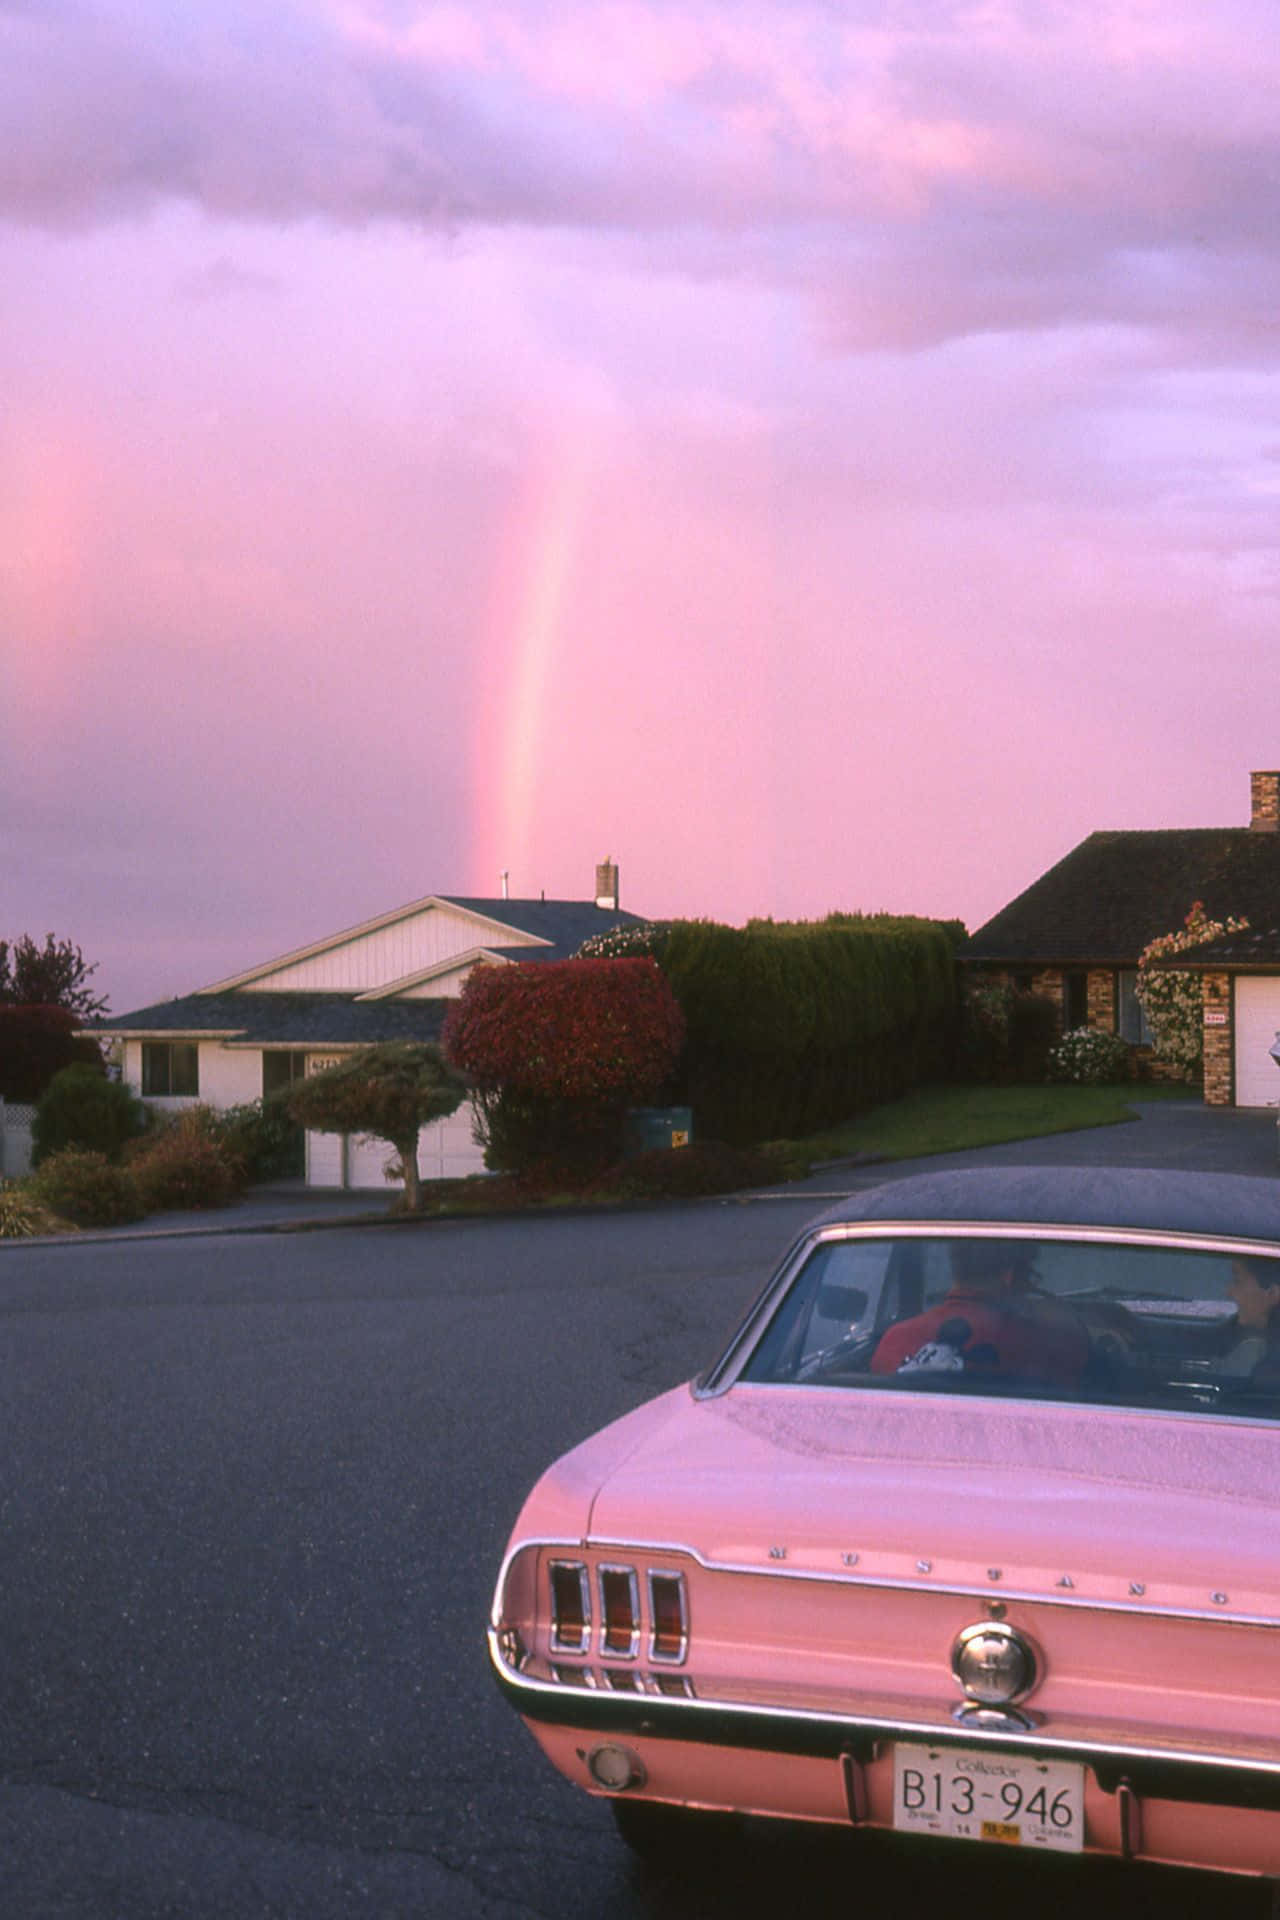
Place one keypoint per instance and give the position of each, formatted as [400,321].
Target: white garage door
[446,1151]
[1257,1026]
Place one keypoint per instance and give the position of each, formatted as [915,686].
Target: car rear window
[1124,1323]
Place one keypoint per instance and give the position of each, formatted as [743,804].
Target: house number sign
[1215,1017]
[320,1062]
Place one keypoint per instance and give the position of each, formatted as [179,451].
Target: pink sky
[821,455]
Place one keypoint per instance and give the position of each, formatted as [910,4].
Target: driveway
[1172,1134]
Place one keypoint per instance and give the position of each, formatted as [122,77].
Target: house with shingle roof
[1075,936]
[390,978]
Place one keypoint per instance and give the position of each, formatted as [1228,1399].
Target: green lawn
[944,1119]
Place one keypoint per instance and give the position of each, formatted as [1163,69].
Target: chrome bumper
[1156,1769]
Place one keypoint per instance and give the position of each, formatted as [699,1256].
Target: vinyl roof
[1240,1206]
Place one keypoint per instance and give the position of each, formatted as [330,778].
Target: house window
[1131,1021]
[1075,999]
[170,1066]
[280,1069]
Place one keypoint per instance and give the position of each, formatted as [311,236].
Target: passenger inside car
[992,1321]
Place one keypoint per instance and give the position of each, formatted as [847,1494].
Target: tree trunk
[408,1151]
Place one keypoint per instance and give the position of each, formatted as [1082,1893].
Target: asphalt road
[253,1493]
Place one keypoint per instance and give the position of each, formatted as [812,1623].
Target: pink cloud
[925,363]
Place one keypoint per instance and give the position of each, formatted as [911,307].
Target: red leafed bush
[35,1043]
[555,1053]
[596,1030]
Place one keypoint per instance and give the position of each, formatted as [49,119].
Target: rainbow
[524,637]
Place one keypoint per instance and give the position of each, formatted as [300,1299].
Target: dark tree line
[45,996]
[54,975]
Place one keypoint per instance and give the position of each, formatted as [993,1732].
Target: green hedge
[795,1027]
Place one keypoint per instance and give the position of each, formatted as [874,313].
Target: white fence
[15,1139]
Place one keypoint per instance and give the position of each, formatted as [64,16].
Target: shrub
[792,1028]
[84,1187]
[563,1142]
[1090,1057]
[185,1164]
[556,1052]
[80,1107]
[1005,1035]
[686,1173]
[985,1014]
[19,1214]
[261,1136]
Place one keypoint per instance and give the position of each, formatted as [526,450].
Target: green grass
[946,1119]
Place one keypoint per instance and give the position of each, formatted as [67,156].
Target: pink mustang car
[973,1530]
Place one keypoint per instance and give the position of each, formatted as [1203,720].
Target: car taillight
[570,1607]
[635,1606]
[619,1611]
[668,1617]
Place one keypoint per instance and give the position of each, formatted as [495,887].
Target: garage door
[1257,1026]
[446,1151]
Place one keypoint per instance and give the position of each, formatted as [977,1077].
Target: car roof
[1238,1206]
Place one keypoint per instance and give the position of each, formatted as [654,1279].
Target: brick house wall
[1101,990]
[1219,1041]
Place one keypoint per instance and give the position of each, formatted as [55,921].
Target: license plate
[1009,1800]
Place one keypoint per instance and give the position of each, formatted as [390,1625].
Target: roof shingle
[1118,890]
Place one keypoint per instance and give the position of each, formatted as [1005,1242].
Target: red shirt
[972,1332]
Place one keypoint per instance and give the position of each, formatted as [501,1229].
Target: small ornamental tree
[388,1092]
[1172,1001]
[555,1052]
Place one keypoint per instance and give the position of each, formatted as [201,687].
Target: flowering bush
[1089,1057]
[1172,1002]
[646,937]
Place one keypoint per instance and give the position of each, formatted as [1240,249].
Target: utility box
[650,1129]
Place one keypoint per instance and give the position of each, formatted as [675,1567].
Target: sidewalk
[275,1209]
[1168,1134]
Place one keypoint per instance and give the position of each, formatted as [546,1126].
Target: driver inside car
[991,1322]
[1254,1290]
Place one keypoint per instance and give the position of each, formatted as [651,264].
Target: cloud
[928,173]
[223,278]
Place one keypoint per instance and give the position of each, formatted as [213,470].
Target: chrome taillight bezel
[627,1645]
[577,1637]
[660,1650]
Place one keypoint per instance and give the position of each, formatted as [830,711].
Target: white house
[389,979]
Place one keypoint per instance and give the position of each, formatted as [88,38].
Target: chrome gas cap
[994,1663]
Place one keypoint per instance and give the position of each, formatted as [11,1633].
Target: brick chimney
[1264,793]
[607,874]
